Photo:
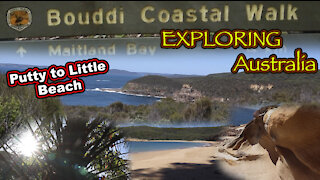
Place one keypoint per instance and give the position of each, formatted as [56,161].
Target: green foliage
[9,111]
[153,84]
[87,143]
[220,111]
[116,107]
[236,87]
[70,143]
[154,133]
[203,109]
[165,111]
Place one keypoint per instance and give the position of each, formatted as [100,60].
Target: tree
[203,109]
[87,149]
[71,146]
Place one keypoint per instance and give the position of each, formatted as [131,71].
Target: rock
[187,94]
[291,136]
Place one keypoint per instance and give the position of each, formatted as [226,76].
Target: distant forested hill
[237,88]
[4,67]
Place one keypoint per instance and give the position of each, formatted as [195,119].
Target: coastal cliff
[238,88]
[153,85]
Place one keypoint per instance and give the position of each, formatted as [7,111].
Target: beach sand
[200,163]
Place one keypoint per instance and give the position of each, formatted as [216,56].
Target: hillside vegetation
[238,88]
[154,133]
[154,85]
[166,111]
[60,144]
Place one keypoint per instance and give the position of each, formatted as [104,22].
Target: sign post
[47,19]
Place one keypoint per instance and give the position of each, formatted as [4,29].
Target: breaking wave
[118,90]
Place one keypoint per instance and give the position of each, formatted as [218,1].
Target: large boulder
[291,136]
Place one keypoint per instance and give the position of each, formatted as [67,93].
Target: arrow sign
[21,51]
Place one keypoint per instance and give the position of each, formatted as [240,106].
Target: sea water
[145,146]
[93,96]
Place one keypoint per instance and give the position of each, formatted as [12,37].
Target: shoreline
[205,144]
[205,162]
[152,164]
[202,162]
[147,140]
[119,91]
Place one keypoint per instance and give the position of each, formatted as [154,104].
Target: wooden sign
[47,19]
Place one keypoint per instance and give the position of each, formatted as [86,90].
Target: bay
[145,146]
[93,96]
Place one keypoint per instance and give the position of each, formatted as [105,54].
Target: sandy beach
[206,162]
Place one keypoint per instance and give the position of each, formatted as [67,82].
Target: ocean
[242,115]
[145,146]
[93,96]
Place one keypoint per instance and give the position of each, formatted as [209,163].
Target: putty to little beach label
[72,70]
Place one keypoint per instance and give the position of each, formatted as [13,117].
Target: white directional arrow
[21,51]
